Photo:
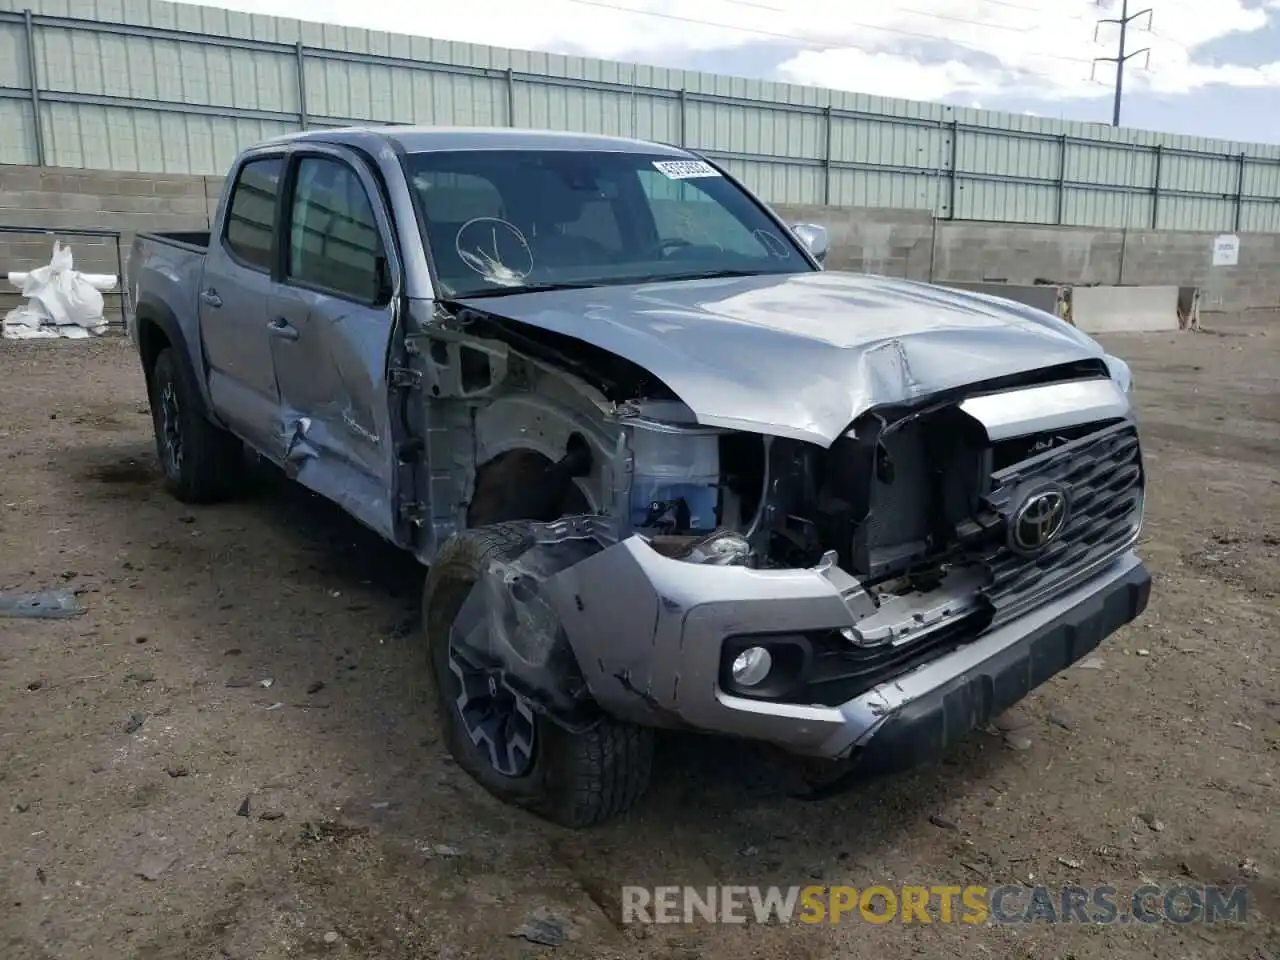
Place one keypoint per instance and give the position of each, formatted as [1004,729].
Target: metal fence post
[683,118]
[826,157]
[1240,192]
[35,87]
[302,84]
[1062,178]
[124,286]
[511,97]
[933,245]
[1155,189]
[955,160]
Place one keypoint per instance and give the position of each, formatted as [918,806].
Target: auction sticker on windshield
[685,169]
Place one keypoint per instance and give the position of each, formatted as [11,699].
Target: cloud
[1049,56]
[919,49]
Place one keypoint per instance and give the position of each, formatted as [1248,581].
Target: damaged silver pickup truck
[666,470]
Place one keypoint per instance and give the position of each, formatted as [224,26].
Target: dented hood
[802,355]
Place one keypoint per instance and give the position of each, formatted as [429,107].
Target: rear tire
[572,779]
[202,463]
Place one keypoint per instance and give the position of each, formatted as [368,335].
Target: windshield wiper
[607,282]
[710,275]
[531,288]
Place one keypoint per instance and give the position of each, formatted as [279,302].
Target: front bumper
[941,703]
[647,632]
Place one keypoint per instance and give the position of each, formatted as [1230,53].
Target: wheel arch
[540,455]
[156,328]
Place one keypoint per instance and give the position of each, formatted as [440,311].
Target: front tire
[575,779]
[201,462]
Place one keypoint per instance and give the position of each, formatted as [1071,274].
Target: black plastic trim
[930,725]
[154,311]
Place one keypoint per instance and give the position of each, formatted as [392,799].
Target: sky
[1213,66]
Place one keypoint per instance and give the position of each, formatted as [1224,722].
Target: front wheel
[575,779]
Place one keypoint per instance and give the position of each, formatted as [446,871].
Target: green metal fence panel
[148,85]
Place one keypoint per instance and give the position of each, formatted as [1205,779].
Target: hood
[802,355]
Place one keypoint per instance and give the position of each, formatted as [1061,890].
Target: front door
[330,323]
[234,293]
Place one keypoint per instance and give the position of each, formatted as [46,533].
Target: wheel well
[151,341]
[524,484]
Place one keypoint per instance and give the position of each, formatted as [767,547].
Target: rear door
[330,326]
[234,293]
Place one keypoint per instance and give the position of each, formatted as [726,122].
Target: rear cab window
[249,231]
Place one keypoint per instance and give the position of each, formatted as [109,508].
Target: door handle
[210,297]
[282,328]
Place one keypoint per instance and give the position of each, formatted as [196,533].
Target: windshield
[509,221]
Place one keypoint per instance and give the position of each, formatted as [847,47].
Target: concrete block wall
[907,244]
[899,243]
[1159,257]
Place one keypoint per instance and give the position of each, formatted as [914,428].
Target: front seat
[544,216]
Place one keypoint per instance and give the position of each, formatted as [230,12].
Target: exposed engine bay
[916,508]
[915,503]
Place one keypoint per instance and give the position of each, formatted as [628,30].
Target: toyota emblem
[1038,521]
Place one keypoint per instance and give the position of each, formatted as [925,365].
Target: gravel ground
[232,755]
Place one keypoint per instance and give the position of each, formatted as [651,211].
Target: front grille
[1103,475]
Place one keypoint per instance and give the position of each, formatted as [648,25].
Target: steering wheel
[658,251]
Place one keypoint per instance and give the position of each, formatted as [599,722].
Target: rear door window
[248,234]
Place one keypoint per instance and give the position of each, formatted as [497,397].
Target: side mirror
[816,240]
[814,237]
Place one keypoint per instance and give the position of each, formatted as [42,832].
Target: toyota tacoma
[665,470]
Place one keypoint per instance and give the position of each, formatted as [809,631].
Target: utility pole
[1122,57]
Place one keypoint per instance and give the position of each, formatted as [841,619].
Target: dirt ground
[131,737]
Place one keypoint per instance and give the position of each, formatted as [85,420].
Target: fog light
[751,666]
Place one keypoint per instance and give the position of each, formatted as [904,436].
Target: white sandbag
[60,302]
[105,282]
[21,323]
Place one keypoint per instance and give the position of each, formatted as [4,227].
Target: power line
[919,13]
[757,6]
[809,40]
[1014,6]
[1121,57]
[964,20]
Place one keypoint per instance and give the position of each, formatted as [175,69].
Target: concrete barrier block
[1140,309]
[1040,297]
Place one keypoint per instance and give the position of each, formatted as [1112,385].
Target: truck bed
[167,267]
[195,240]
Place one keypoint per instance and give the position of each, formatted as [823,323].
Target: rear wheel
[575,779]
[201,462]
